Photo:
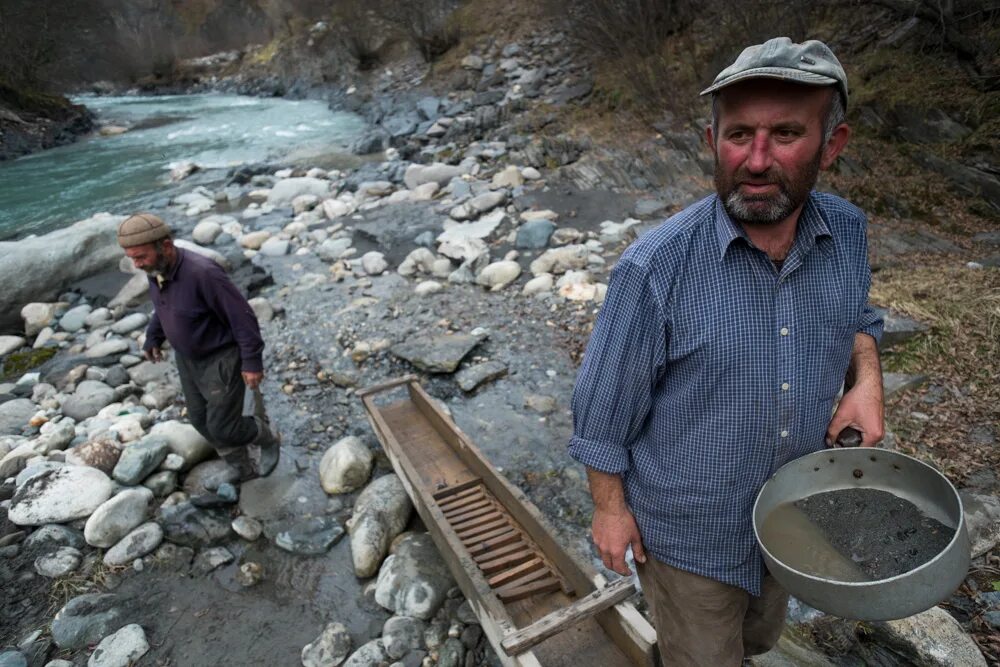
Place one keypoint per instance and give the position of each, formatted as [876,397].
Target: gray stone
[85,620]
[108,348]
[117,517]
[206,231]
[371,654]
[55,436]
[59,496]
[121,649]
[428,107]
[929,639]
[145,372]
[38,316]
[162,483]
[436,353]
[498,275]
[34,467]
[310,537]
[898,328]
[13,659]
[141,541]
[274,247]
[534,234]
[210,559]
[414,581]
[130,323]
[59,563]
[75,318]
[208,476]
[452,653]
[247,528]
[418,174]
[191,526]
[59,663]
[894,383]
[101,453]
[140,459]
[982,516]
[54,535]
[472,377]
[380,514]
[262,309]
[88,399]
[285,190]
[14,415]
[561,260]
[329,649]
[401,634]
[346,466]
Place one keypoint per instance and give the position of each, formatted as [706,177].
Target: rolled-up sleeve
[871,321]
[625,358]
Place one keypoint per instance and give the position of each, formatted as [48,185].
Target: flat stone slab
[898,328]
[436,353]
[474,376]
[894,383]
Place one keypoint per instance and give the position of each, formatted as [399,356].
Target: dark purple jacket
[200,311]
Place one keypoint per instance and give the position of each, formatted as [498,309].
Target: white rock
[346,466]
[425,191]
[213,255]
[531,174]
[573,278]
[329,649]
[511,177]
[982,516]
[262,308]
[285,191]
[121,649]
[540,283]
[466,250]
[304,203]
[498,275]
[37,316]
[561,260]
[108,348]
[442,268]
[247,528]
[415,580]
[484,228]
[333,249]
[380,514]
[118,516]
[473,61]
[528,216]
[274,247]
[205,232]
[371,654]
[583,292]
[140,542]
[930,639]
[185,441]
[254,240]
[97,317]
[428,287]
[419,260]
[335,208]
[59,563]
[55,436]
[130,323]
[374,263]
[71,492]
[418,174]
[613,232]
[10,343]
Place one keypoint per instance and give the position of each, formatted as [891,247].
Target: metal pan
[858,467]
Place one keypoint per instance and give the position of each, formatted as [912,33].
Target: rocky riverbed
[461,252]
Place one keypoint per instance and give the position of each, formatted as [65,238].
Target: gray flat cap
[811,63]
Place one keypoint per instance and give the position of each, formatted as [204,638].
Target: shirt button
[785,386]
[784,434]
[784,331]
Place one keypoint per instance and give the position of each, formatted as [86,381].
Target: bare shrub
[428,23]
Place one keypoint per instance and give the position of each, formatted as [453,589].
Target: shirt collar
[811,226]
[163,279]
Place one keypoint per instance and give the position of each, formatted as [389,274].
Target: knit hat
[140,229]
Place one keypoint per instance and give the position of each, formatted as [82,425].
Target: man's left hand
[860,408]
[252,378]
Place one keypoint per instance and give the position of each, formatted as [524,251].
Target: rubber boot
[267,446]
[239,458]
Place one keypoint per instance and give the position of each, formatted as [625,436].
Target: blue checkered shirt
[708,369]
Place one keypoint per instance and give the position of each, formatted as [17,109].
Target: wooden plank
[493,543]
[454,489]
[523,579]
[470,533]
[503,551]
[473,511]
[493,534]
[558,621]
[386,386]
[513,573]
[545,585]
[489,516]
[450,501]
[471,516]
[510,560]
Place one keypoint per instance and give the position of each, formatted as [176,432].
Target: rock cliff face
[31,122]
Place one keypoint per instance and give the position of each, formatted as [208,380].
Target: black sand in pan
[883,534]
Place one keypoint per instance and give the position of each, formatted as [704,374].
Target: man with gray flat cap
[216,341]
[719,352]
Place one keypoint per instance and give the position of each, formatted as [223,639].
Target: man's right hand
[614,531]
[154,354]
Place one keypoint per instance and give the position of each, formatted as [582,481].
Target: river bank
[470,224]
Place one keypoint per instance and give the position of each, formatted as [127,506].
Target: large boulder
[346,466]
[414,581]
[117,517]
[59,495]
[86,620]
[39,268]
[380,514]
[284,191]
[929,639]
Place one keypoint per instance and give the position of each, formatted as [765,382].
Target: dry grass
[960,353]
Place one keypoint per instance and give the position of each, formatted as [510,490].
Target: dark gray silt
[882,533]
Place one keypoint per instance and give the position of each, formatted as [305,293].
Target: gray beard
[741,209]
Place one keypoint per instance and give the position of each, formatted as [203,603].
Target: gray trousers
[214,392]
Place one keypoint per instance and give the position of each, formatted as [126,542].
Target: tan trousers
[701,622]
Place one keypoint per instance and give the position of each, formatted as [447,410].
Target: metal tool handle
[849,437]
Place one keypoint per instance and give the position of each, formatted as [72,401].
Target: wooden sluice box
[538,605]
